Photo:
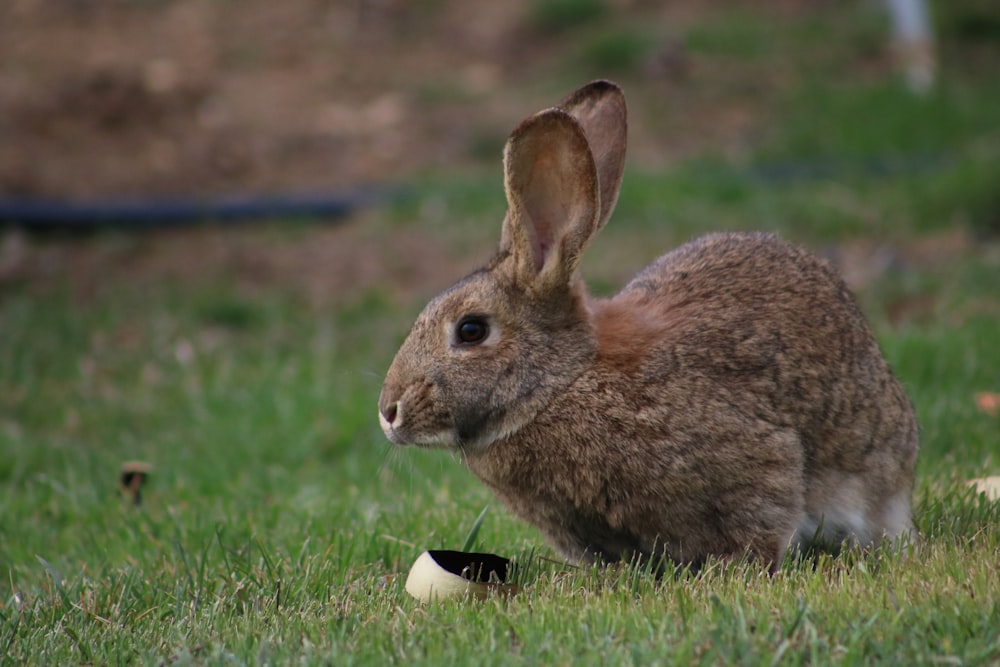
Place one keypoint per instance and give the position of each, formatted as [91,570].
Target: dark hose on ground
[41,214]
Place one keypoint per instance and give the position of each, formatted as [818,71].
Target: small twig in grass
[556,561]
[138,617]
[106,621]
[392,538]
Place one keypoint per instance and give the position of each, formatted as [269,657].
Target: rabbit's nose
[389,412]
[388,407]
[389,419]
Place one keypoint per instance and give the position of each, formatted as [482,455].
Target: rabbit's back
[777,331]
[755,312]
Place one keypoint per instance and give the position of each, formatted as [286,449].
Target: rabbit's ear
[552,198]
[600,109]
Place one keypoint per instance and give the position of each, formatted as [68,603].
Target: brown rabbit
[730,401]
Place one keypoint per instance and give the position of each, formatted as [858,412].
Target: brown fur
[730,400]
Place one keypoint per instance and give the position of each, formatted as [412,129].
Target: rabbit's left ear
[553,198]
[600,109]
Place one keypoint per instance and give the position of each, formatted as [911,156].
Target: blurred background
[140,97]
[158,99]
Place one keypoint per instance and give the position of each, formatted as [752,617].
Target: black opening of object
[476,567]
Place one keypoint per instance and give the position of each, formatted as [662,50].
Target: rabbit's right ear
[600,109]
[553,199]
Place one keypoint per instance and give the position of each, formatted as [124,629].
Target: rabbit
[730,402]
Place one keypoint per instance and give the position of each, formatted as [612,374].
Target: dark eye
[472,331]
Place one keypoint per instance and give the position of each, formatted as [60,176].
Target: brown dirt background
[132,98]
[139,97]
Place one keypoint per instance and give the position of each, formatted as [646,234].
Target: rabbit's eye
[472,330]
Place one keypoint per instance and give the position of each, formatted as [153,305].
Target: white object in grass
[437,575]
[989,486]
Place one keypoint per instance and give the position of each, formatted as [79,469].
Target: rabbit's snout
[390,415]
[389,412]
[408,416]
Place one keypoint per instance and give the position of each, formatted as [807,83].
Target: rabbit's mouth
[462,437]
[396,429]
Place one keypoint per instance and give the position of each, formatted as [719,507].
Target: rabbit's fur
[730,401]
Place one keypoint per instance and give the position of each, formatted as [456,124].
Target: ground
[193,96]
[198,98]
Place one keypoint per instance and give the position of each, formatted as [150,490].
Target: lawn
[278,525]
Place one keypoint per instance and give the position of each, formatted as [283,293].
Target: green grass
[555,16]
[278,525]
[614,53]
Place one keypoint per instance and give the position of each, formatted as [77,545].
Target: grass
[554,16]
[617,52]
[278,525]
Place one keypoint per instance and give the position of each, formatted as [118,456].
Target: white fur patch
[843,515]
[847,515]
[898,523]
